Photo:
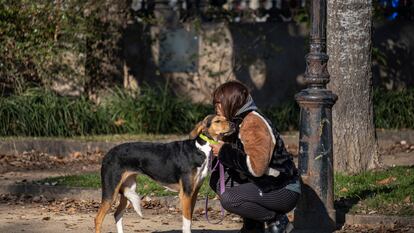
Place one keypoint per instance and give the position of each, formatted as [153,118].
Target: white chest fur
[202,171]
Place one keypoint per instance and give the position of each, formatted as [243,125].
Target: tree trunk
[349,48]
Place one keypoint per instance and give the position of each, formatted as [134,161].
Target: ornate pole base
[315,211]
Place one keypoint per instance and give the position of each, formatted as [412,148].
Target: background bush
[43,41]
[38,112]
[394,109]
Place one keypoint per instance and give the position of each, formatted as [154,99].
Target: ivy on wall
[37,36]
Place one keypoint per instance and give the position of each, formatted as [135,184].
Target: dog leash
[222,189]
[221,179]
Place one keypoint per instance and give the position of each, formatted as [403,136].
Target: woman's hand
[216,147]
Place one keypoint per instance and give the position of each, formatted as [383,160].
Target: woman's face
[218,109]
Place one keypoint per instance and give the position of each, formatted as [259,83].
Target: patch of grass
[394,109]
[145,185]
[389,191]
[90,180]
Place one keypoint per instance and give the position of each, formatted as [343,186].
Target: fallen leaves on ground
[34,161]
[389,209]
[387,181]
[398,147]
[394,228]
[73,207]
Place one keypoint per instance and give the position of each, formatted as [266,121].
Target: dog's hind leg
[130,186]
[111,184]
[123,203]
[103,209]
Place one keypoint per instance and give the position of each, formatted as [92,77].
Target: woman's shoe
[280,225]
[252,226]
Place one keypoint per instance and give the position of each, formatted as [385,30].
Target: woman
[262,183]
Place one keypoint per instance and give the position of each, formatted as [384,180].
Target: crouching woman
[262,182]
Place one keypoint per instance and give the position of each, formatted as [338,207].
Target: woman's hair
[232,96]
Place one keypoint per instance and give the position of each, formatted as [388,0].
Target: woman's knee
[229,200]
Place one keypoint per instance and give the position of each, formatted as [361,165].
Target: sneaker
[280,225]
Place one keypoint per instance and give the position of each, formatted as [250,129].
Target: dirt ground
[38,215]
[41,215]
[36,218]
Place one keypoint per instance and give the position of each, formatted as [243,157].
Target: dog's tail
[110,182]
[111,177]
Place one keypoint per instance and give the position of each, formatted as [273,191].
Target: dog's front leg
[187,211]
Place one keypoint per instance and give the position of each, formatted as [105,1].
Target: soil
[38,215]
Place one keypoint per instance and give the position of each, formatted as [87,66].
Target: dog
[179,166]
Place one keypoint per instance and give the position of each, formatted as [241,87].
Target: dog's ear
[201,126]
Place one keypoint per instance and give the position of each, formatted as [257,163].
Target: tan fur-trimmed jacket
[259,153]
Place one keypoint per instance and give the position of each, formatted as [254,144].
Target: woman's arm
[258,142]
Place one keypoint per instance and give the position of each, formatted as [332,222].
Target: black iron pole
[315,211]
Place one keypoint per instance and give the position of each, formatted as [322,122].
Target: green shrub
[155,110]
[284,117]
[394,109]
[38,112]
[43,40]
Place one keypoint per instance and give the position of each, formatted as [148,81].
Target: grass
[394,109]
[154,110]
[145,186]
[389,192]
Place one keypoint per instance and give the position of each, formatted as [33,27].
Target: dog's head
[214,127]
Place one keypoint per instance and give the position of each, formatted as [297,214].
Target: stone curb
[353,219]
[62,147]
[88,194]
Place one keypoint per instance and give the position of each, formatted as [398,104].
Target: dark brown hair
[232,95]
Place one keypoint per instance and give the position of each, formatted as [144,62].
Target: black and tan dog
[179,166]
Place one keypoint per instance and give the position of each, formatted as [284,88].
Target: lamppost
[315,211]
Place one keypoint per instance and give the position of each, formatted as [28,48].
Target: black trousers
[248,201]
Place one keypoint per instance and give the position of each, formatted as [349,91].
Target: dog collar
[205,138]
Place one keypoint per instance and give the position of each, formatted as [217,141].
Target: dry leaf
[343,190]
[386,181]
[119,122]
[76,155]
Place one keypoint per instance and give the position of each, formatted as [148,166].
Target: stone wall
[269,58]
